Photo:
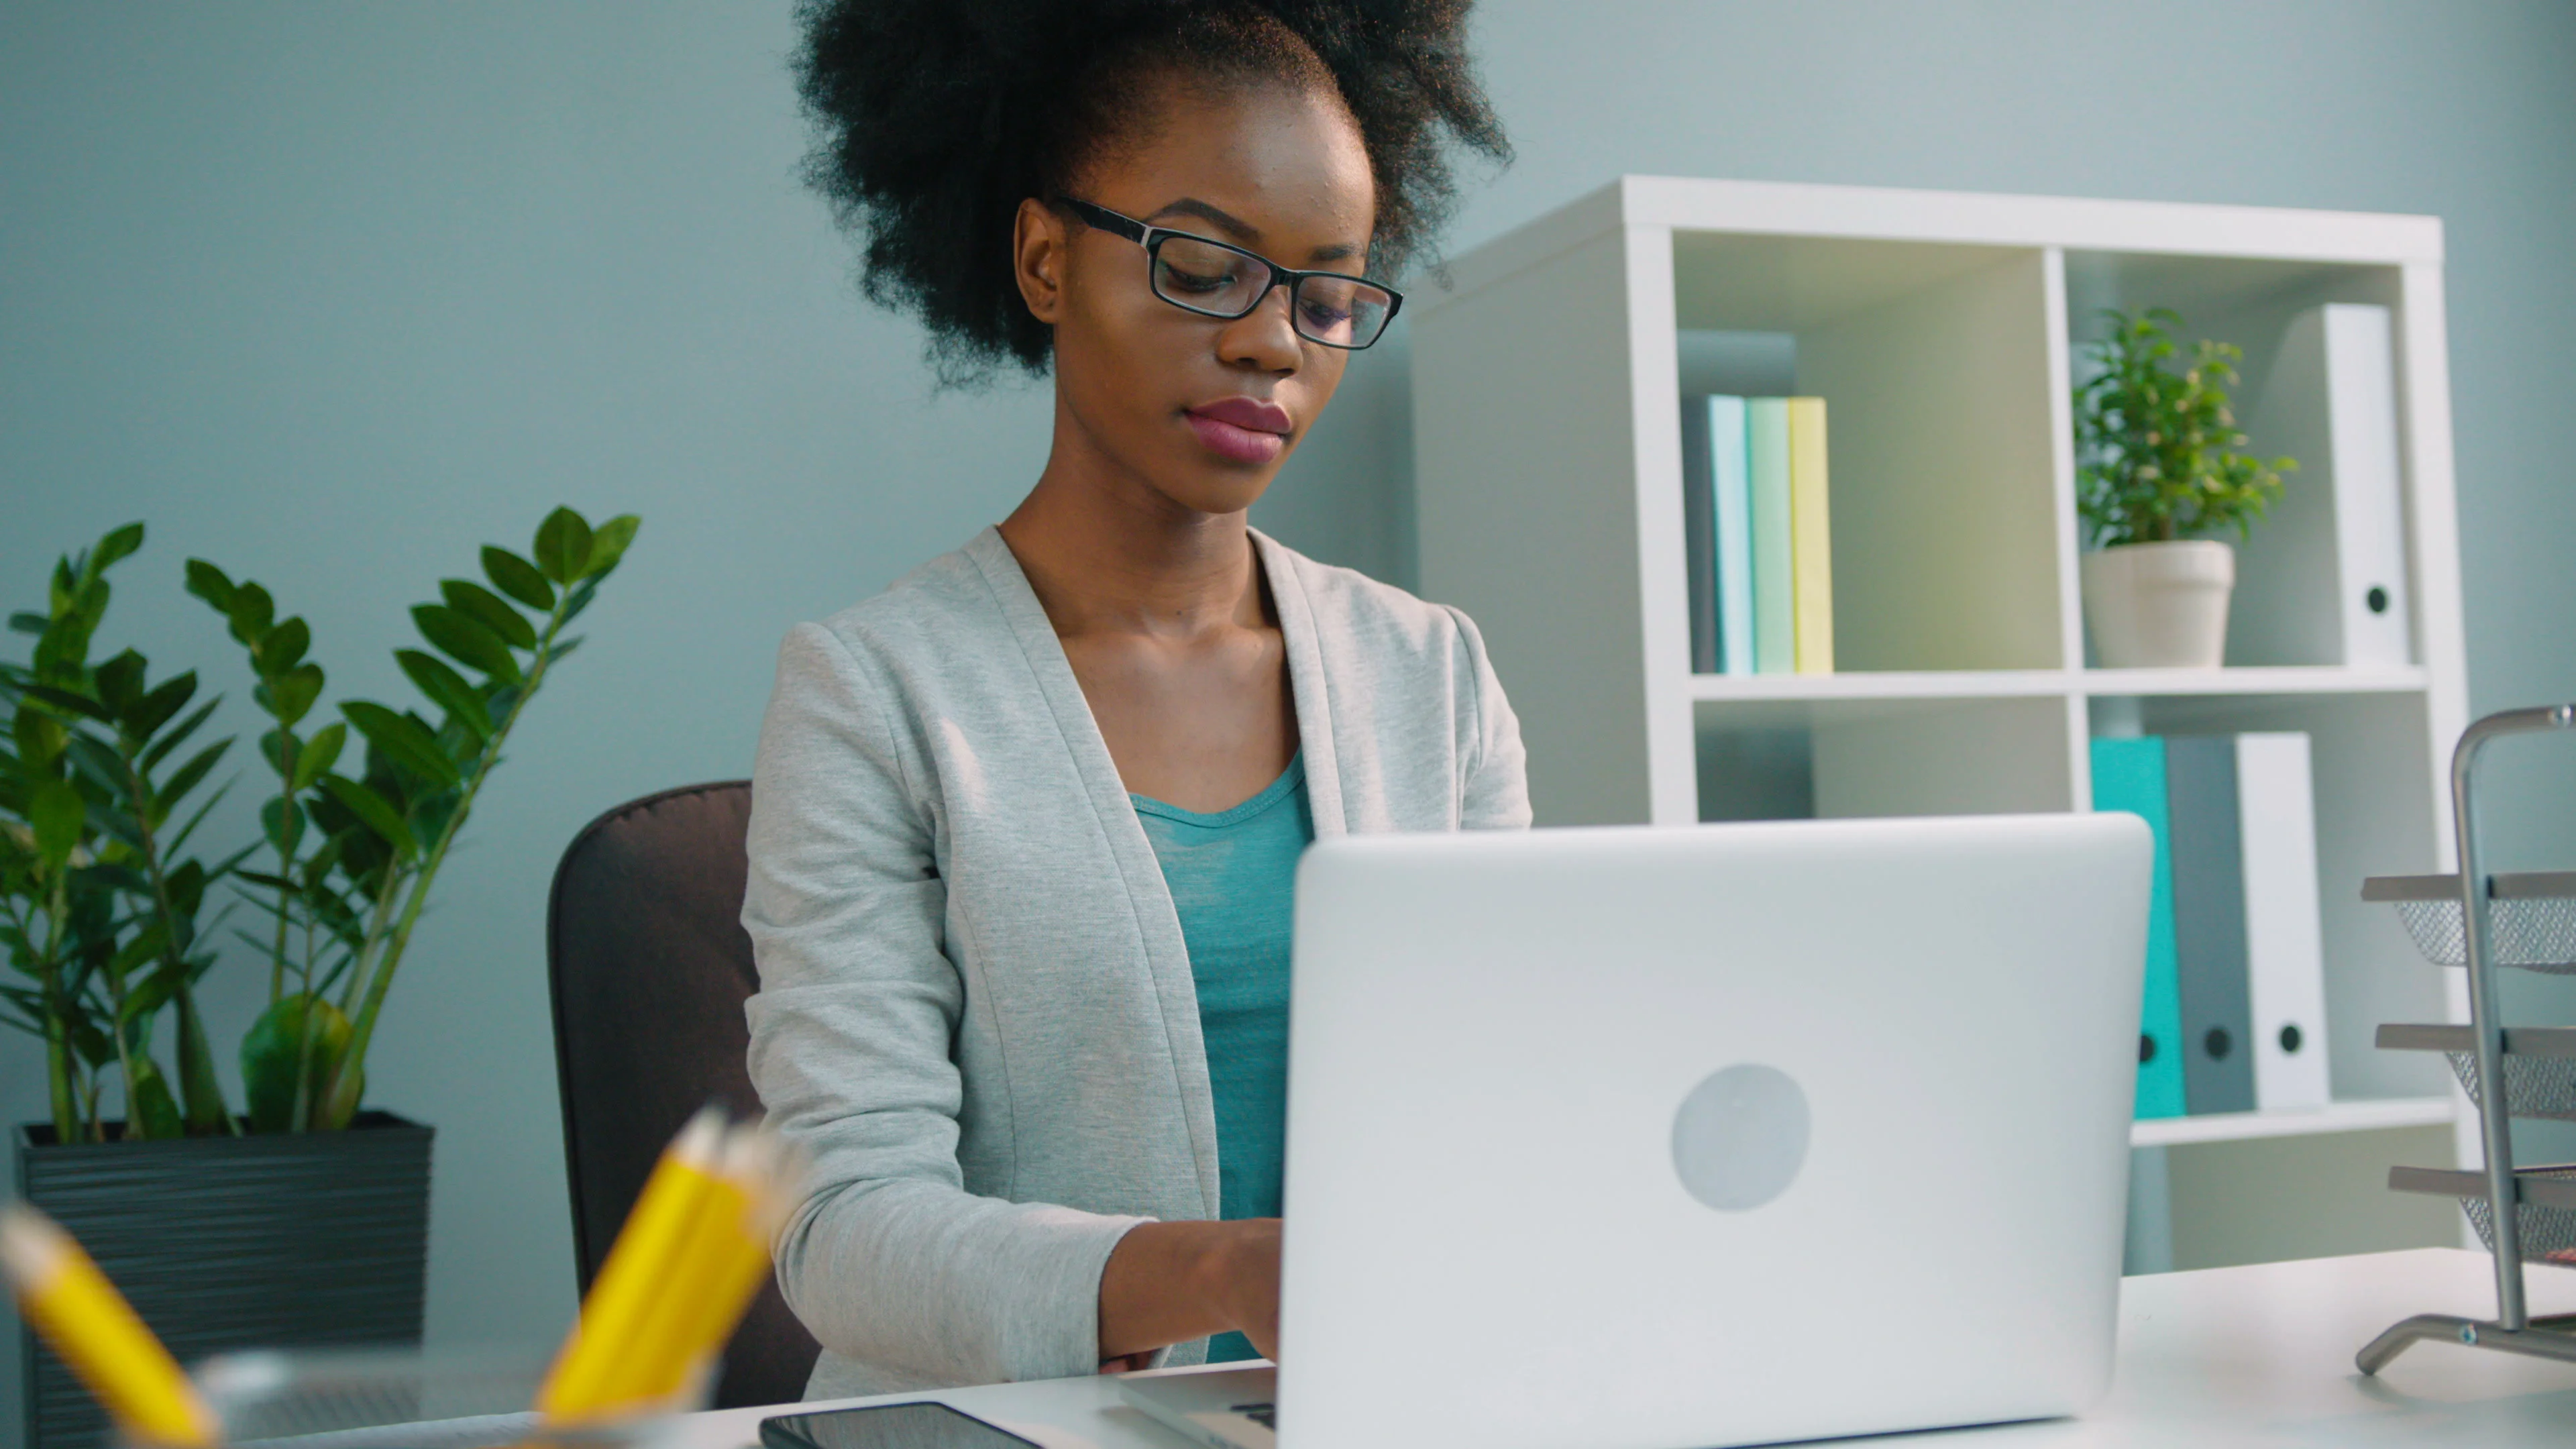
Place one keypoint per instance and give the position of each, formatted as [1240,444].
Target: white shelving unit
[2366,1116]
[1943,330]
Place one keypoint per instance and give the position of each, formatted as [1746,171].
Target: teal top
[1233,880]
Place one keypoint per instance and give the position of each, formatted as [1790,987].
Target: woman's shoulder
[938,608]
[937,632]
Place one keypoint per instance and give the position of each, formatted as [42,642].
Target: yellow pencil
[726,1262]
[94,1329]
[774,1183]
[588,1372]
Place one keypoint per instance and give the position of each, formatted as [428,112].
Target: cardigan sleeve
[1494,784]
[889,1260]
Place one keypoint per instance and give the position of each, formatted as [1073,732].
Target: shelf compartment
[2533,916]
[1934,365]
[2285,567]
[2372,756]
[1874,757]
[2545,1214]
[2539,1063]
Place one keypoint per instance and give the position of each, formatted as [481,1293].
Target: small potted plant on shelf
[278,1226]
[2160,467]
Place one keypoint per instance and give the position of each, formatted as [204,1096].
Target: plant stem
[300,1114]
[285,860]
[124,1056]
[379,920]
[345,1083]
[59,1060]
[193,1109]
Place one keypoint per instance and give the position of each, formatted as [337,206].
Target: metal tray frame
[2512,1330]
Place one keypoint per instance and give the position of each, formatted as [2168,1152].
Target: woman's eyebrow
[1240,232]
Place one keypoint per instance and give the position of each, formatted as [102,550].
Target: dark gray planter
[222,1243]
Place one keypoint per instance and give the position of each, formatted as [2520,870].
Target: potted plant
[274,1226]
[2159,469]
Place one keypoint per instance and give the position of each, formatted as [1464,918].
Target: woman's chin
[1214,491]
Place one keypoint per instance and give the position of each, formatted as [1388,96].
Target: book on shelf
[2234,1014]
[2321,578]
[2129,774]
[1699,532]
[1775,640]
[2284,928]
[1810,539]
[1760,548]
[1717,509]
[2209,923]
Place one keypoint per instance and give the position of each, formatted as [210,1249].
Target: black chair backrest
[650,966]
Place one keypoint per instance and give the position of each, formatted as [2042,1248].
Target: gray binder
[2209,924]
[1699,533]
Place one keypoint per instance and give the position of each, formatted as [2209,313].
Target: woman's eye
[1324,316]
[1198,283]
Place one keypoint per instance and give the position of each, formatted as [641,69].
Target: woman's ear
[1038,258]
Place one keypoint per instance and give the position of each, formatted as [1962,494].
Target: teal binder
[2129,774]
[1730,463]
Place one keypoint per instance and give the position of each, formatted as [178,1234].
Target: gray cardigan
[976,1017]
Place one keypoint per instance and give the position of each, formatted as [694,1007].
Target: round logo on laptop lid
[1741,1136]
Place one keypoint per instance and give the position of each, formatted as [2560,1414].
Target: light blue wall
[335,293]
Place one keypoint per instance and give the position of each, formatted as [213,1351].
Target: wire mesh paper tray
[2529,921]
[2539,1063]
[2546,1212]
[2532,917]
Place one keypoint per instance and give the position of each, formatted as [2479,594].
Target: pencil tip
[702,1139]
[30,1243]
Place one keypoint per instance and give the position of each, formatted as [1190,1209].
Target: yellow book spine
[1811,543]
[96,1332]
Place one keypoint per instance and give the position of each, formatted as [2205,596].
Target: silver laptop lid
[1718,1135]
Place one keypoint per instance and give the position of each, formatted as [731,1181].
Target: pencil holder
[401,1399]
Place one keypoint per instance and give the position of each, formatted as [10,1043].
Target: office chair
[650,968]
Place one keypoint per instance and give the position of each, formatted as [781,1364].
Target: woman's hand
[1166,1283]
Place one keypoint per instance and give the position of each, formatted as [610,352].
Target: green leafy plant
[102,906]
[343,910]
[2158,450]
[99,899]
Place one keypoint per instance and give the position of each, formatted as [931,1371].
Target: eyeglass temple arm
[1109,221]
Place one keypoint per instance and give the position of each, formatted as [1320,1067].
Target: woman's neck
[1108,553]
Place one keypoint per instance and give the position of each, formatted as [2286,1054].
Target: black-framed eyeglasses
[1216,280]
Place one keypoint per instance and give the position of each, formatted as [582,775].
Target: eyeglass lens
[1222,282]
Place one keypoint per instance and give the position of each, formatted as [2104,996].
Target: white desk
[2259,1355]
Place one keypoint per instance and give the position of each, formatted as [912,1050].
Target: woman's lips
[1245,430]
[1243,445]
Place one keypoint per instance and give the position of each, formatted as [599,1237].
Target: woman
[1025,824]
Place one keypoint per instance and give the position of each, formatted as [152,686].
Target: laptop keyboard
[1266,1415]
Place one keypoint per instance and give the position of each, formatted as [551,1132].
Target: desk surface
[2259,1355]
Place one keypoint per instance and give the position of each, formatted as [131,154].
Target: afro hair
[936,118]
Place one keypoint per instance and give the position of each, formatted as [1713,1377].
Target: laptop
[1655,1138]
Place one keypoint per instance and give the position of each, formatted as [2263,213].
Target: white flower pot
[2159,605]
